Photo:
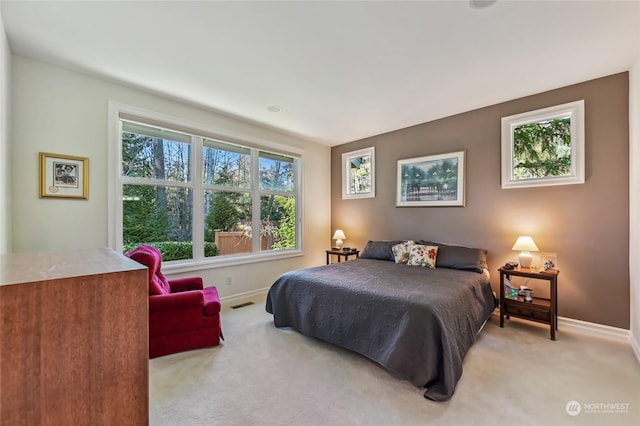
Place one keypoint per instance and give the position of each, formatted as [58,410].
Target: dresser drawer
[531,312]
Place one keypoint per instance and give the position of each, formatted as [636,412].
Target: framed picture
[64,176]
[359,174]
[544,147]
[548,262]
[434,180]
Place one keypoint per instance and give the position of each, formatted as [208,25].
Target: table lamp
[526,245]
[339,236]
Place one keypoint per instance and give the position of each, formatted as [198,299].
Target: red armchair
[183,315]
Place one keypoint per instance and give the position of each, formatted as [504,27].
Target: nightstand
[540,309]
[341,253]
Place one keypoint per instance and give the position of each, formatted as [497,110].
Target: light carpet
[262,375]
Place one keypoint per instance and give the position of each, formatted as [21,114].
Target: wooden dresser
[73,339]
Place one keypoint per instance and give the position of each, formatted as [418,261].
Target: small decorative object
[509,291]
[526,245]
[510,265]
[339,236]
[549,262]
[64,176]
[526,292]
[346,249]
[434,180]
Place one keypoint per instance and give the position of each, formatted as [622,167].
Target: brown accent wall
[587,225]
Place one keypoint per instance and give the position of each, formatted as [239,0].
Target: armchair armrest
[175,301]
[185,284]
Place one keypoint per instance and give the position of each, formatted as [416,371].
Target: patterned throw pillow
[401,251]
[422,255]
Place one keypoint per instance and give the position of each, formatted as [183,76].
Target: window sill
[181,266]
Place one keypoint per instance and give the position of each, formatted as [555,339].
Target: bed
[417,322]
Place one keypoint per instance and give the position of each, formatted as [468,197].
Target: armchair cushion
[211,301]
[151,257]
[174,301]
[185,284]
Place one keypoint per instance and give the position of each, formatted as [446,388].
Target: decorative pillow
[423,255]
[401,251]
[380,250]
[460,257]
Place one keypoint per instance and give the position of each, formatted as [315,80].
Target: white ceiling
[340,71]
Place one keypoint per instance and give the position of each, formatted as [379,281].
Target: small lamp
[526,245]
[339,236]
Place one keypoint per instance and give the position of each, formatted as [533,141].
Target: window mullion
[256,220]
[198,199]
[125,180]
[299,201]
[281,193]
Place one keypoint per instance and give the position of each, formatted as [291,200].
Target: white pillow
[401,251]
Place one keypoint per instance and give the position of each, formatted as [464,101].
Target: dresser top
[20,268]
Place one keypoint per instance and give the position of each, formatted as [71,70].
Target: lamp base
[525,259]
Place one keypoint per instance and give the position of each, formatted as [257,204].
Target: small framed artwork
[434,180]
[359,174]
[544,147]
[64,176]
[548,262]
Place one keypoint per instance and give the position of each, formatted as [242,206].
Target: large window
[197,197]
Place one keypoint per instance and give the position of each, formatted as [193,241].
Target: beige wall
[5,152]
[586,225]
[64,112]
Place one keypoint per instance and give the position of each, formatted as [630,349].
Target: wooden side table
[540,309]
[341,253]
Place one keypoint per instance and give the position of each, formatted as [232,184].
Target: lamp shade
[339,235]
[525,243]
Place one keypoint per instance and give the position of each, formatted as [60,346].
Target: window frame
[347,158]
[118,111]
[575,112]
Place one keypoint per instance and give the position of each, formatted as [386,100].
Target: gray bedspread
[416,322]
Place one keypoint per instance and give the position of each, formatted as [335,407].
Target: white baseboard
[592,328]
[635,347]
[239,298]
[600,330]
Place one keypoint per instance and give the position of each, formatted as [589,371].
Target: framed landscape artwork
[434,180]
[64,176]
[544,147]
